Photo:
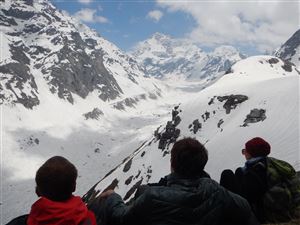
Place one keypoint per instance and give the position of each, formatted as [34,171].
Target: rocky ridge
[46,47]
[290,50]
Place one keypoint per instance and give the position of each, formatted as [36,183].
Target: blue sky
[128,22]
[251,26]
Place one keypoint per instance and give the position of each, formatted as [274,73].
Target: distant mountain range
[165,57]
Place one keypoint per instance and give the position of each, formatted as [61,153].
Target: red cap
[258,147]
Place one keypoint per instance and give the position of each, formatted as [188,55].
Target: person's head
[56,179]
[188,157]
[256,147]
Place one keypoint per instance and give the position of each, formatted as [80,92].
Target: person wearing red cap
[55,183]
[260,178]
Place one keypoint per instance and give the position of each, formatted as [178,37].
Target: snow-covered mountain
[67,91]
[290,50]
[44,48]
[165,57]
[259,97]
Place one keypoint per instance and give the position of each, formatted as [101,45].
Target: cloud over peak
[155,15]
[85,1]
[90,16]
[264,25]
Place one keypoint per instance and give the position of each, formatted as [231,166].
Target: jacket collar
[250,162]
[176,179]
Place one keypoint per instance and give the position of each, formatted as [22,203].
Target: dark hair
[188,157]
[56,179]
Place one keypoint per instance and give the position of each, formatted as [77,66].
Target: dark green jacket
[181,201]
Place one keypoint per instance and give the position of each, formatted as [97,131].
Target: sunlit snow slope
[260,97]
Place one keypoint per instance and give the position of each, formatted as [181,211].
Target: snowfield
[267,86]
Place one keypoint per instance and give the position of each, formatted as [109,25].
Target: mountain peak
[290,50]
[163,56]
[159,36]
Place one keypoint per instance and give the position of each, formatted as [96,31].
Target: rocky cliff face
[41,44]
[290,50]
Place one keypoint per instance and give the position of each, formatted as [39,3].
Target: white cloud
[90,16]
[85,1]
[100,8]
[155,15]
[263,24]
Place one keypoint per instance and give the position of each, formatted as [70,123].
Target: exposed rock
[205,116]
[95,114]
[75,79]
[273,61]
[171,133]
[30,141]
[221,121]
[196,126]
[20,78]
[287,66]
[37,141]
[211,101]
[127,166]
[166,153]
[152,96]
[129,102]
[288,49]
[5,21]
[31,28]
[143,153]
[128,180]
[169,136]
[174,114]
[229,71]
[17,13]
[176,120]
[255,116]
[232,101]
[138,174]
[149,170]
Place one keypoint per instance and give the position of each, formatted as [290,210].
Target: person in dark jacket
[186,196]
[55,183]
[265,182]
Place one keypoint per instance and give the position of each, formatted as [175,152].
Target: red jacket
[71,212]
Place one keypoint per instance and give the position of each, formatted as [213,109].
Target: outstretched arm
[118,213]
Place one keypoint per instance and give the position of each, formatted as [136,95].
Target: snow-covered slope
[44,47]
[259,97]
[165,57]
[290,50]
[66,91]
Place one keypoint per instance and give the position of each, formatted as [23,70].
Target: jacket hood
[44,211]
